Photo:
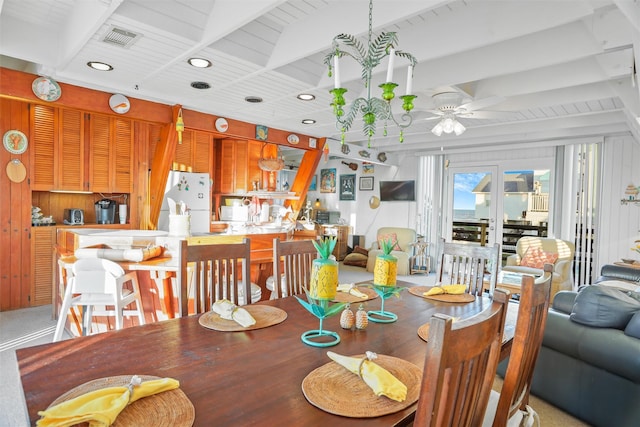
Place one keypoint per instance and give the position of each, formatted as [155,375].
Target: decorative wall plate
[119,103]
[15,142]
[262,132]
[46,89]
[293,139]
[222,125]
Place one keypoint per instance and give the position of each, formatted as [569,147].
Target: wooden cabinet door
[70,151]
[253,169]
[111,148]
[202,152]
[43,140]
[227,169]
[241,167]
[42,265]
[183,156]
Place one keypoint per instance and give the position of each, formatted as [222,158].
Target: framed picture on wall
[366,183]
[328,180]
[347,187]
[314,183]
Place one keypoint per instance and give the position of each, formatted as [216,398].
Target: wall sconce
[317,204]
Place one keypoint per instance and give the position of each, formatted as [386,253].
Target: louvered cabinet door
[42,262]
[70,151]
[202,152]
[43,145]
[183,156]
[122,180]
[100,153]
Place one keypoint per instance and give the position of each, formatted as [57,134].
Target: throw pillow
[537,258]
[394,241]
[360,250]
[356,259]
[604,307]
[620,284]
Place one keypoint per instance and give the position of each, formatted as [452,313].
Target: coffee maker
[105,211]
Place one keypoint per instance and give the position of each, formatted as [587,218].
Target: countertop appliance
[73,216]
[105,211]
[194,189]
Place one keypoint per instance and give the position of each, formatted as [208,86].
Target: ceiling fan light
[448,124]
[459,128]
[437,129]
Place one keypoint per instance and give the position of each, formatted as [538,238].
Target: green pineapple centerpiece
[324,271]
[385,271]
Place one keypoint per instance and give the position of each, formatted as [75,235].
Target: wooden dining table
[239,378]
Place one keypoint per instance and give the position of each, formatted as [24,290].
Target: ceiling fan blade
[484,114]
[481,103]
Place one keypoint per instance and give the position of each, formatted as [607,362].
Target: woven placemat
[420,290]
[423,332]
[265,316]
[170,408]
[335,390]
[346,297]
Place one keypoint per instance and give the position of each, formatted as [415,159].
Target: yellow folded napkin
[350,288]
[381,381]
[228,310]
[446,289]
[101,407]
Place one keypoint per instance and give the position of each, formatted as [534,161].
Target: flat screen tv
[397,191]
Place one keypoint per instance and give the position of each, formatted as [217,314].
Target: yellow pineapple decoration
[324,271]
[347,318]
[385,271]
[362,320]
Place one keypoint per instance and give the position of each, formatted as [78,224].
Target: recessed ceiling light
[100,66]
[306,97]
[253,99]
[200,85]
[199,62]
[308,121]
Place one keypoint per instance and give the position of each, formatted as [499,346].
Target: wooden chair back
[466,264]
[527,340]
[213,272]
[460,366]
[292,262]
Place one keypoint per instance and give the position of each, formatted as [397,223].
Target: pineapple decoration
[347,318]
[324,271]
[362,320]
[386,267]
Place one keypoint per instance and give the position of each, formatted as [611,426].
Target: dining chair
[292,261]
[208,273]
[510,405]
[466,264]
[99,282]
[460,366]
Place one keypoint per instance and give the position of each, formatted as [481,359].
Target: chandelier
[369,57]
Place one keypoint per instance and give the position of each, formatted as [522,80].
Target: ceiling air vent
[200,85]
[121,37]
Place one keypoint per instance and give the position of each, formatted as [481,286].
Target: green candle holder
[387,90]
[321,309]
[338,100]
[407,102]
[382,316]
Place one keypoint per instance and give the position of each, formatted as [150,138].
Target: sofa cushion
[633,327]
[604,307]
[564,301]
[356,259]
[537,258]
[620,284]
[390,236]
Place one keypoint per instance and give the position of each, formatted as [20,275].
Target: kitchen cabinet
[58,148]
[195,153]
[239,166]
[42,265]
[111,154]
[341,232]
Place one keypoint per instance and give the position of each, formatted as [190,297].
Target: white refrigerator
[194,189]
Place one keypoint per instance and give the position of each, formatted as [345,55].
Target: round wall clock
[119,103]
[221,124]
[15,142]
[46,89]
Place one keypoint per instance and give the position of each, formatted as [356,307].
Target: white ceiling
[563,68]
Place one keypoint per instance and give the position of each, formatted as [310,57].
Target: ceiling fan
[448,107]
